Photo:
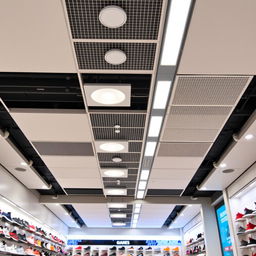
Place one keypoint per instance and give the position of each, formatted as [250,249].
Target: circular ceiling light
[116,159]
[248,136]
[108,96]
[112,16]
[119,224]
[115,173]
[115,57]
[112,147]
[116,192]
[228,171]
[20,169]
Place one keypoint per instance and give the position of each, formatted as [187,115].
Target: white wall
[124,233]
[14,191]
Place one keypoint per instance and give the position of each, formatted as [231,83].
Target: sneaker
[121,249]
[7,216]
[31,239]
[112,254]
[88,248]
[239,216]
[200,235]
[20,250]
[78,248]
[6,232]
[1,231]
[240,231]
[13,235]
[22,237]
[32,228]
[167,249]
[149,249]
[176,249]
[87,254]
[140,248]
[243,243]
[131,248]
[112,248]
[252,242]
[250,226]
[248,211]
[140,254]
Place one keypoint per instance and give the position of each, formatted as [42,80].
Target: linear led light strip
[136,214]
[176,24]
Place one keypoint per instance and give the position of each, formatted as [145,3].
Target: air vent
[119,165]
[135,146]
[140,56]
[126,157]
[209,90]
[124,120]
[143,18]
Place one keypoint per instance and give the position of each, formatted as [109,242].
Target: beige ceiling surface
[34,37]
[221,38]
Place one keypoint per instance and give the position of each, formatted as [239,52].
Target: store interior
[127,128]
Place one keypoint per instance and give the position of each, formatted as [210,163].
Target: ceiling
[55,57]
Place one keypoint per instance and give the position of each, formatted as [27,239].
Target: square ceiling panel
[108,95]
[29,42]
[142,19]
[60,126]
[209,90]
[139,56]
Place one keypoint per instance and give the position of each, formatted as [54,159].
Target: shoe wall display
[125,251]
[243,211]
[19,235]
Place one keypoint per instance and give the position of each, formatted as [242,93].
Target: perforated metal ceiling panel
[143,19]
[139,56]
[209,90]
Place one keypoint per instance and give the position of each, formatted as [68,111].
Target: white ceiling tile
[223,45]
[58,127]
[177,162]
[94,215]
[80,182]
[34,37]
[154,215]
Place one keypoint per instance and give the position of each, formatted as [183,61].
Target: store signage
[126,242]
[225,238]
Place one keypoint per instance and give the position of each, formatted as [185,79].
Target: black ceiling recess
[177,209]
[41,90]
[244,109]
[20,141]
[74,214]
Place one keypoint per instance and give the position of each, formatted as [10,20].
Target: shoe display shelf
[10,241]
[125,251]
[243,212]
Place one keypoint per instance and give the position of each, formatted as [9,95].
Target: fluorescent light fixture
[23,164]
[136,210]
[137,205]
[161,94]
[249,136]
[155,126]
[116,191]
[179,10]
[134,225]
[116,173]
[150,148]
[140,194]
[144,174]
[117,205]
[135,221]
[223,165]
[119,224]
[108,96]
[112,147]
[135,216]
[142,184]
[118,215]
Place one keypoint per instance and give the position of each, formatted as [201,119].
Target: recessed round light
[115,57]
[112,147]
[223,165]
[117,159]
[20,169]
[248,136]
[228,171]
[119,224]
[115,192]
[115,173]
[117,131]
[112,16]
[108,96]
[117,126]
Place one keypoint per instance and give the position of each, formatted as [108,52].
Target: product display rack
[126,251]
[243,212]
